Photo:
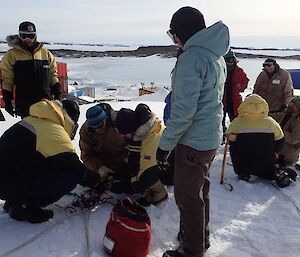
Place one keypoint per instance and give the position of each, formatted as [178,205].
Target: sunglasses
[172,36]
[229,60]
[30,36]
[267,65]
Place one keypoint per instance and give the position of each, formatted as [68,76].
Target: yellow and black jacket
[37,143]
[142,154]
[31,72]
[254,138]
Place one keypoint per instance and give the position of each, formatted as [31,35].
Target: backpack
[128,231]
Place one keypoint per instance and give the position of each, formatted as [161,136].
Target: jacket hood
[13,40]
[214,38]
[254,106]
[52,111]
[145,128]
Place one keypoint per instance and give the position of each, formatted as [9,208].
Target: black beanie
[71,108]
[186,22]
[126,121]
[27,26]
[270,60]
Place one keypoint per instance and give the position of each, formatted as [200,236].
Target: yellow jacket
[253,118]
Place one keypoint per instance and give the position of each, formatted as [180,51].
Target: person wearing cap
[142,129]
[29,70]
[236,83]
[289,121]
[255,139]
[103,149]
[195,124]
[275,85]
[45,166]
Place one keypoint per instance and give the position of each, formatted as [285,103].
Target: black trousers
[40,190]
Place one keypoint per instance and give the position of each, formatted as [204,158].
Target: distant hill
[163,51]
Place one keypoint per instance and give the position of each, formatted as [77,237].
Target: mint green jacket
[197,89]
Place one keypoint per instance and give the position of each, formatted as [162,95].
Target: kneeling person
[39,163]
[143,131]
[103,149]
[254,138]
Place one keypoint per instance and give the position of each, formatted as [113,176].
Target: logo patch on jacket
[46,66]
[147,157]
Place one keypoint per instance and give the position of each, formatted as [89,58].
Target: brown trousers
[191,188]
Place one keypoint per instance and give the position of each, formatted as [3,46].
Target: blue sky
[260,22]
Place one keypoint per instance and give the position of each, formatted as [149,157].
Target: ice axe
[227,186]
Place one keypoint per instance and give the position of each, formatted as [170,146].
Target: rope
[287,197]
[87,232]
[38,235]
[86,202]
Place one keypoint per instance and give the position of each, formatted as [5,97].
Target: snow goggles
[172,36]
[25,35]
[267,65]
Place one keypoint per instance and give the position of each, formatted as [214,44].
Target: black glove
[8,97]
[122,187]
[162,159]
[100,188]
[282,108]
[56,90]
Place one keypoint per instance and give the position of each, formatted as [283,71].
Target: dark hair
[71,108]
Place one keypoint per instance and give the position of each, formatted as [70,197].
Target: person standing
[236,82]
[194,127]
[31,69]
[275,85]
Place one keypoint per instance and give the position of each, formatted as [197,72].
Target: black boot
[172,253]
[282,179]
[244,176]
[291,174]
[32,215]
[6,206]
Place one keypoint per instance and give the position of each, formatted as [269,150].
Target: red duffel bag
[128,231]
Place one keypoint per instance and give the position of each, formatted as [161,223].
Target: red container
[62,76]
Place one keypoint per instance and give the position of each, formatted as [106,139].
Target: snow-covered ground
[254,220]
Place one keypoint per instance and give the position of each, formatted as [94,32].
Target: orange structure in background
[62,76]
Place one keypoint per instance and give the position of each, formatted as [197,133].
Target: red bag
[128,231]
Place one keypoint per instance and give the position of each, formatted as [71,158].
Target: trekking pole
[227,186]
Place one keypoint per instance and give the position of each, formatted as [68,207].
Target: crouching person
[254,138]
[39,164]
[143,130]
[289,121]
[103,149]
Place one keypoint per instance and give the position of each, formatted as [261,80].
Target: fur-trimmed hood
[13,40]
[145,128]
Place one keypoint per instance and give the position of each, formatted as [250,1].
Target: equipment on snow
[128,231]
